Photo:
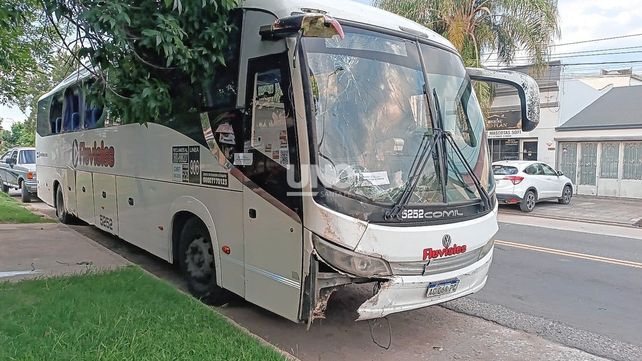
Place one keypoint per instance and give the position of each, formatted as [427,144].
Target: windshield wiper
[486,202]
[424,153]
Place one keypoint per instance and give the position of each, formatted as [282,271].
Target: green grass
[13,212]
[119,315]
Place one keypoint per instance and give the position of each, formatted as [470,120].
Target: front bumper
[508,198]
[405,293]
[31,185]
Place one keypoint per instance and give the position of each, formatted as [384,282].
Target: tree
[143,54]
[504,27]
[25,46]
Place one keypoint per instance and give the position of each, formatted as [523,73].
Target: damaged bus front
[401,192]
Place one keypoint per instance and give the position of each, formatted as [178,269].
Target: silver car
[18,170]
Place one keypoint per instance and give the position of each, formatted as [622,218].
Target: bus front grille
[435,266]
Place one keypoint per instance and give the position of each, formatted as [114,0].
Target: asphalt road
[580,289]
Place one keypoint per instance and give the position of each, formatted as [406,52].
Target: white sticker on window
[376,178]
[243,158]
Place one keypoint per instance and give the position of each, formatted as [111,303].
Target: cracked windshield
[373,119]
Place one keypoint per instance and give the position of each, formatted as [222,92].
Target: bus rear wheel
[61,212]
[197,263]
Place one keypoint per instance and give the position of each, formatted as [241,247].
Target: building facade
[590,129]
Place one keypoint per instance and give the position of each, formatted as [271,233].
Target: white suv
[526,183]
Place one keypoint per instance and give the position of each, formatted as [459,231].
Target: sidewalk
[37,250]
[613,211]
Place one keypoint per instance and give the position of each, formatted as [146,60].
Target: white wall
[575,95]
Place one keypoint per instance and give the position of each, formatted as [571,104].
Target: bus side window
[55,114]
[269,128]
[71,114]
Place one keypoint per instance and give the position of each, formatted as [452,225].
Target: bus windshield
[372,115]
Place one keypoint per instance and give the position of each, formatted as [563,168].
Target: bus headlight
[351,262]
[487,247]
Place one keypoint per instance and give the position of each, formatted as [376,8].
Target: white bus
[341,144]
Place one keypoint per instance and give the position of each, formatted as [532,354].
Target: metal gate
[568,160]
[588,164]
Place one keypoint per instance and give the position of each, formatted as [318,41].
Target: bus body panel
[85,196]
[413,241]
[157,192]
[273,256]
[105,207]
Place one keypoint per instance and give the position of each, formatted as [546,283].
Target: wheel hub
[199,258]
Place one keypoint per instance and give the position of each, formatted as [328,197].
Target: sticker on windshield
[376,178]
[243,159]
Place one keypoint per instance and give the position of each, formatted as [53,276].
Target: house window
[610,160]
[633,161]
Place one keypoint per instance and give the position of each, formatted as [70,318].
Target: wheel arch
[181,210]
[532,188]
[569,184]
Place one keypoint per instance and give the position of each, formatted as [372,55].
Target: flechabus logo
[97,156]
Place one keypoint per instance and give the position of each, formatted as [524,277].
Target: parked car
[18,170]
[526,183]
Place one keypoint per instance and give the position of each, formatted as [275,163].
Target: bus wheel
[24,193]
[61,213]
[197,263]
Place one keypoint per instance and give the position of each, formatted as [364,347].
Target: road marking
[560,252]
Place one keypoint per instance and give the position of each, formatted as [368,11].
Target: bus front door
[272,224]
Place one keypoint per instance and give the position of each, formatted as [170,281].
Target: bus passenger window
[93,117]
[71,115]
[55,114]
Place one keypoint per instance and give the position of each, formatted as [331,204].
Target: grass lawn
[13,212]
[119,315]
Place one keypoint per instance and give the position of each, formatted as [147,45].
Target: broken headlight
[350,262]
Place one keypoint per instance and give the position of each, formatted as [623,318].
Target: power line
[555,57]
[596,40]
[582,64]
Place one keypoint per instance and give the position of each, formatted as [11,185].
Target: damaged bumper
[404,293]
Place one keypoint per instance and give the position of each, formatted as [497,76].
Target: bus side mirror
[311,25]
[527,90]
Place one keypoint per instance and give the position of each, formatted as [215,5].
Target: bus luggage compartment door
[85,196]
[106,213]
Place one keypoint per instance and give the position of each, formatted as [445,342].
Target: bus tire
[196,259]
[25,196]
[61,212]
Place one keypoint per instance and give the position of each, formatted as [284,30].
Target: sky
[580,20]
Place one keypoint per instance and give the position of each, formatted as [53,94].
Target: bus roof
[340,9]
[346,10]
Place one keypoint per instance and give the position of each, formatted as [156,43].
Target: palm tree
[503,27]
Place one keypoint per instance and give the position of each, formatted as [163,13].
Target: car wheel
[196,258]
[567,194]
[61,212]
[528,202]
[25,196]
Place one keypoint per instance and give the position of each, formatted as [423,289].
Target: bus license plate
[441,288]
